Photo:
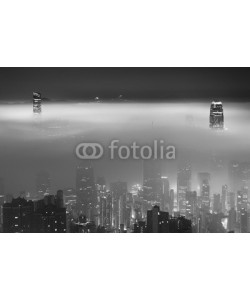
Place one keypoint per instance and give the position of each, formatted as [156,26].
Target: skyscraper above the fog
[216,118]
[37,103]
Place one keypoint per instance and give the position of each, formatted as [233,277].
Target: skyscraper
[86,192]
[232,219]
[231,199]
[216,115]
[191,204]
[224,199]
[18,215]
[242,201]
[165,203]
[152,183]
[70,199]
[239,175]
[204,186]
[37,103]
[119,193]
[183,186]
[171,201]
[243,220]
[217,207]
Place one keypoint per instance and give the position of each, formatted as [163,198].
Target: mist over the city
[30,144]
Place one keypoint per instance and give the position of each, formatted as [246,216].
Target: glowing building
[216,115]
[183,186]
[152,182]
[119,196]
[37,103]
[191,204]
[204,186]
[86,191]
[165,194]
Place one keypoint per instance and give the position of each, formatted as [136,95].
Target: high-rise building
[140,227]
[101,200]
[239,175]
[191,204]
[224,198]
[180,224]
[104,199]
[152,183]
[217,206]
[37,103]
[231,197]
[204,186]
[216,115]
[50,214]
[165,203]
[18,215]
[119,194]
[243,220]
[157,221]
[242,202]
[86,192]
[232,219]
[171,202]
[103,210]
[183,186]
[108,221]
[70,199]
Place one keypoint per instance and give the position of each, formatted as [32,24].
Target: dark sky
[133,83]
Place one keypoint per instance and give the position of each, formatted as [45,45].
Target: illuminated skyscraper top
[37,103]
[216,115]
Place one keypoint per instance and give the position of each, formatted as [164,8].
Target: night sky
[144,84]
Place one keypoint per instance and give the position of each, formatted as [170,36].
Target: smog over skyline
[178,139]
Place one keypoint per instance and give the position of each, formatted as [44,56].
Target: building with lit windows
[86,192]
[119,197]
[183,186]
[50,214]
[157,221]
[18,215]
[204,186]
[191,204]
[216,119]
[37,103]
[152,182]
